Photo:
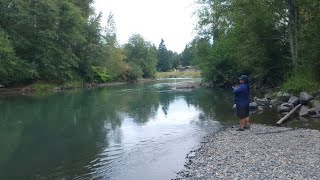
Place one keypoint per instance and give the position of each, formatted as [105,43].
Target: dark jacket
[241,95]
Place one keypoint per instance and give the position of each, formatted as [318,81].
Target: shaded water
[137,131]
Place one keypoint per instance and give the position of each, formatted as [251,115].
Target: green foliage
[41,87]
[71,84]
[251,37]
[100,75]
[300,81]
[163,57]
[309,35]
[63,41]
[140,55]
[12,68]
[134,72]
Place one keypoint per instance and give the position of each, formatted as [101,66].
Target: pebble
[263,152]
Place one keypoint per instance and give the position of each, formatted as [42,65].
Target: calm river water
[137,131]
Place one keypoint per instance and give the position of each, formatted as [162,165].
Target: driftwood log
[289,114]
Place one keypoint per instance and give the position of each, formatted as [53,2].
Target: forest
[64,41]
[275,42]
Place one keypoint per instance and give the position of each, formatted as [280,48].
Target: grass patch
[300,82]
[179,74]
[41,87]
[71,84]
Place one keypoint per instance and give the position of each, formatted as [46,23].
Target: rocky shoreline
[285,102]
[264,152]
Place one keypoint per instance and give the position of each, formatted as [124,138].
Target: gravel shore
[264,152]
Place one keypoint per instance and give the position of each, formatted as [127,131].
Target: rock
[286,97]
[314,111]
[303,111]
[253,106]
[314,103]
[279,94]
[274,102]
[305,98]
[268,96]
[260,108]
[285,107]
[262,102]
[294,100]
[2,86]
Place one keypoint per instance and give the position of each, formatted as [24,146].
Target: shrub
[100,74]
[301,81]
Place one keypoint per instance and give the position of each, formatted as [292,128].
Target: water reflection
[105,132]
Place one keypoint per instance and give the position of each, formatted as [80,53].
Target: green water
[137,131]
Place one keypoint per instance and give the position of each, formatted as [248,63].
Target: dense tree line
[275,42]
[61,41]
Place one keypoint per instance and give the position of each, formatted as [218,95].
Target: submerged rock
[2,86]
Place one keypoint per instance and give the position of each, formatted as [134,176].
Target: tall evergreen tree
[163,58]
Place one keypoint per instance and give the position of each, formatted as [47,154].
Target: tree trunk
[293,29]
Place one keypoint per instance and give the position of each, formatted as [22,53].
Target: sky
[171,20]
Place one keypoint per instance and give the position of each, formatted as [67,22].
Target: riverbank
[179,74]
[264,152]
[49,87]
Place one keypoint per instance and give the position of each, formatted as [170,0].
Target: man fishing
[241,99]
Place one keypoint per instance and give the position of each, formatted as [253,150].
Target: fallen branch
[289,114]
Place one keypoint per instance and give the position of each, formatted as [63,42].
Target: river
[132,131]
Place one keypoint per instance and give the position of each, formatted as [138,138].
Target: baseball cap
[244,78]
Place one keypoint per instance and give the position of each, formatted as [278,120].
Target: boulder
[314,103]
[305,98]
[314,111]
[294,100]
[2,86]
[275,102]
[253,106]
[285,97]
[262,102]
[260,108]
[285,107]
[303,111]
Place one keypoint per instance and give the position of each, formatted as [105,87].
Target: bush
[301,81]
[134,72]
[100,75]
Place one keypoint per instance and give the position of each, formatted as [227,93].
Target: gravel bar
[264,152]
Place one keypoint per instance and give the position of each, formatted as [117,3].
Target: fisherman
[241,100]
